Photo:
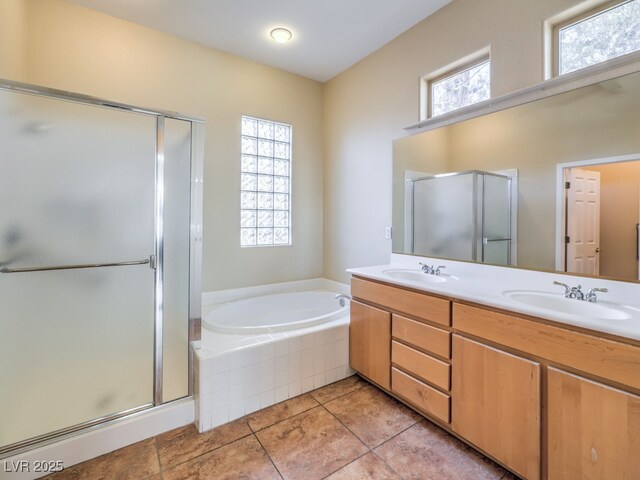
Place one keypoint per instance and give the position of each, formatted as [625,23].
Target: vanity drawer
[421,365]
[421,395]
[423,305]
[421,335]
[616,361]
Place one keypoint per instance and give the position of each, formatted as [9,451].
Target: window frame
[572,19]
[290,183]
[455,68]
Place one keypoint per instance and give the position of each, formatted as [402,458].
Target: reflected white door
[583,222]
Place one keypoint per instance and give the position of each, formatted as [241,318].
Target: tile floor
[346,430]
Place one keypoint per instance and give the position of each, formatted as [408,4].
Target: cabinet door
[370,343]
[496,404]
[594,430]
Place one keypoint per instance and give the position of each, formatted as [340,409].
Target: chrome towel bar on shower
[73,267]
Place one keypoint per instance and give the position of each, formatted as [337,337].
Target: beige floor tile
[339,388]
[281,411]
[367,467]
[242,459]
[426,451]
[137,461]
[185,443]
[311,445]
[372,415]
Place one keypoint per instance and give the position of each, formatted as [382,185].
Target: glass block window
[461,89]
[597,37]
[265,183]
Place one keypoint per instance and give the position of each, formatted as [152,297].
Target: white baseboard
[99,441]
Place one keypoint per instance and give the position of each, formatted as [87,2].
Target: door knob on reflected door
[598,250]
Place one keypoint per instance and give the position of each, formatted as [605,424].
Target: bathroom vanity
[545,398]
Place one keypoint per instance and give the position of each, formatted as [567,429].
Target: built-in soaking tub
[276,313]
[263,349]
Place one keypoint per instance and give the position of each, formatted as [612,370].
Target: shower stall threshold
[106,437]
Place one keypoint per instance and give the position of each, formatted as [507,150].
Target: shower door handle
[489,240]
[74,267]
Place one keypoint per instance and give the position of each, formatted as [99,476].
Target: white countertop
[484,284]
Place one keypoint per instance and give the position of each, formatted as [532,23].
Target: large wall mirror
[552,184]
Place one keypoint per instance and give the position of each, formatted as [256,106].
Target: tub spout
[342,299]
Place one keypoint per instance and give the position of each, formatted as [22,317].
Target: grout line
[371,448]
[383,461]
[310,393]
[208,451]
[344,394]
[284,419]
[155,442]
[266,452]
[350,431]
[349,463]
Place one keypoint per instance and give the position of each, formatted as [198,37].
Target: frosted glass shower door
[77,187]
[444,217]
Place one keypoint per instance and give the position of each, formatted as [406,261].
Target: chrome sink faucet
[578,294]
[431,270]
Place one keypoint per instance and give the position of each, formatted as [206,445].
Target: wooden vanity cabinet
[594,429]
[496,404]
[530,393]
[415,362]
[370,343]
[591,430]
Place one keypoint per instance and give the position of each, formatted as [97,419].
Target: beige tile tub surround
[231,385]
[302,438]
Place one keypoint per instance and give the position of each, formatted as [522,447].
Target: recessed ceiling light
[281,35]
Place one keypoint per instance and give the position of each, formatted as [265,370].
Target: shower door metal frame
[479,239]
[195,256]
[508,239]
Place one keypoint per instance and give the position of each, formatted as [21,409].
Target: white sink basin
[556,302]
[414,275]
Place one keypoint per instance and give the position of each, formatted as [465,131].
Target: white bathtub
[261,346]
[275,313]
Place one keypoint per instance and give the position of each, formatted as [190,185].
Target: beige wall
[360,112]
[367,106]
[76,49]
[619,214]
[13,19]
[584,124]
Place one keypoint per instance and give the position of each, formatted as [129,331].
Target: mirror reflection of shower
[465,215]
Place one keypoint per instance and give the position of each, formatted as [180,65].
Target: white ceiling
[329,35]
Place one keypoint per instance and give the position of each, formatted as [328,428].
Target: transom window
[466,86]
[597,36]
[265,183]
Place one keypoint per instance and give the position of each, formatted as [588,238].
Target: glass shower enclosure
[463,216]
[100,246]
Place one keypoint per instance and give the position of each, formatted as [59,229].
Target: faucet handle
[603,290]
[567,288]
[438,268]
[591,295]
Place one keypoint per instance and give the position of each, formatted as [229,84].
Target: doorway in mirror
[600,215]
